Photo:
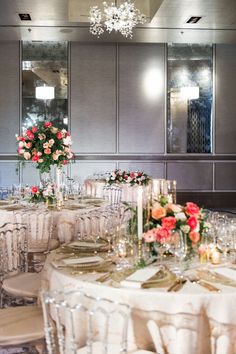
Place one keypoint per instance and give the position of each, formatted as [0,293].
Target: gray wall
[117,121]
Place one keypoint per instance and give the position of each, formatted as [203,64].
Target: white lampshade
[190,92]
[44,92]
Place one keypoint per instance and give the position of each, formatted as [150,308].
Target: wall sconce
[189,92]
[44,92]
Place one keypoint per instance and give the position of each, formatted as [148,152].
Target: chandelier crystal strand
[121,19]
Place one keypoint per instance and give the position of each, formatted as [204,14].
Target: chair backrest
[39,228]
[112,194]
[75,320]
[13,248]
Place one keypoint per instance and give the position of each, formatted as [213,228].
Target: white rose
[185,228]
[180,216]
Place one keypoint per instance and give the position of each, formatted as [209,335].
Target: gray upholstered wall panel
[83,169]
[225,176]
[9,95]
[30,175]
[191,175]
[154,169]
[93,97]
[8,173]
[225,99]
[141,98]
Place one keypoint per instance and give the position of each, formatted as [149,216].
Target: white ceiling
[56,20]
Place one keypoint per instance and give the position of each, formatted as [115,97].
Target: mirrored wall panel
[44,83]
[189,111]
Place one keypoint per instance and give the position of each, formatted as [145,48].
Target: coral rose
[192,222]
[169,222]
[64,162]
[163,234]
[47,151]
[34,129]
[158,213]
[192,209]
[194,236]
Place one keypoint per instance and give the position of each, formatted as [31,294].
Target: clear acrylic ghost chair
[22,326]
[112,194]
[76,323]
[18,285]
[13,252]
[40,226]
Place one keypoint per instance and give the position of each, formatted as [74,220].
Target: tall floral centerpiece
[46,145]
[169,220]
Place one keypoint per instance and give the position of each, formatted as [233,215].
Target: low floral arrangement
[43,194]
[168,219]
[46,145]
[131,178]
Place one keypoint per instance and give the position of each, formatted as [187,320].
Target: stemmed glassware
[178,246]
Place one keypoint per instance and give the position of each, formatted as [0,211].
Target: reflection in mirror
[44,83]
[189,109]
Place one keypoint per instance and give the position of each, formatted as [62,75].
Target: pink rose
[158,213]
[64,162]
[34,129]
[34,189]
[163,234]
[59,135]
[169,222]
[28,145]
[47,124]
[29,134]
[192,222]
[20,150]
[35,158]
[192,209]
[150,236]
[47,151]
[194,236]
[67,134]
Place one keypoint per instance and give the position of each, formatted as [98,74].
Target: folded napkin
[226,272]
[136,279]
[83,260]
[84,244]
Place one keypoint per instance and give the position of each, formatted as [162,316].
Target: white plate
[83,260]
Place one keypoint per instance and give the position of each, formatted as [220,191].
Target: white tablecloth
[64,221]
[191,321]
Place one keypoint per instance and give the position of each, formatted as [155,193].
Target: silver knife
[178,284]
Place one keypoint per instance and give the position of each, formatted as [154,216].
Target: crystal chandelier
[121,19]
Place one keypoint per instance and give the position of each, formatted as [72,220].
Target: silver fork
[204,284]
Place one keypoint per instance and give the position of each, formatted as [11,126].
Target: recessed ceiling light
[25,17]
[194,19]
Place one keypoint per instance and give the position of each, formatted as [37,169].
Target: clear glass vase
[59,187]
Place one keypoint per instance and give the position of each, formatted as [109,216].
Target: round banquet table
[190,321]
[63,221]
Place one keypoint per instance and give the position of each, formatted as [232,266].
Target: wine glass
[178,246]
